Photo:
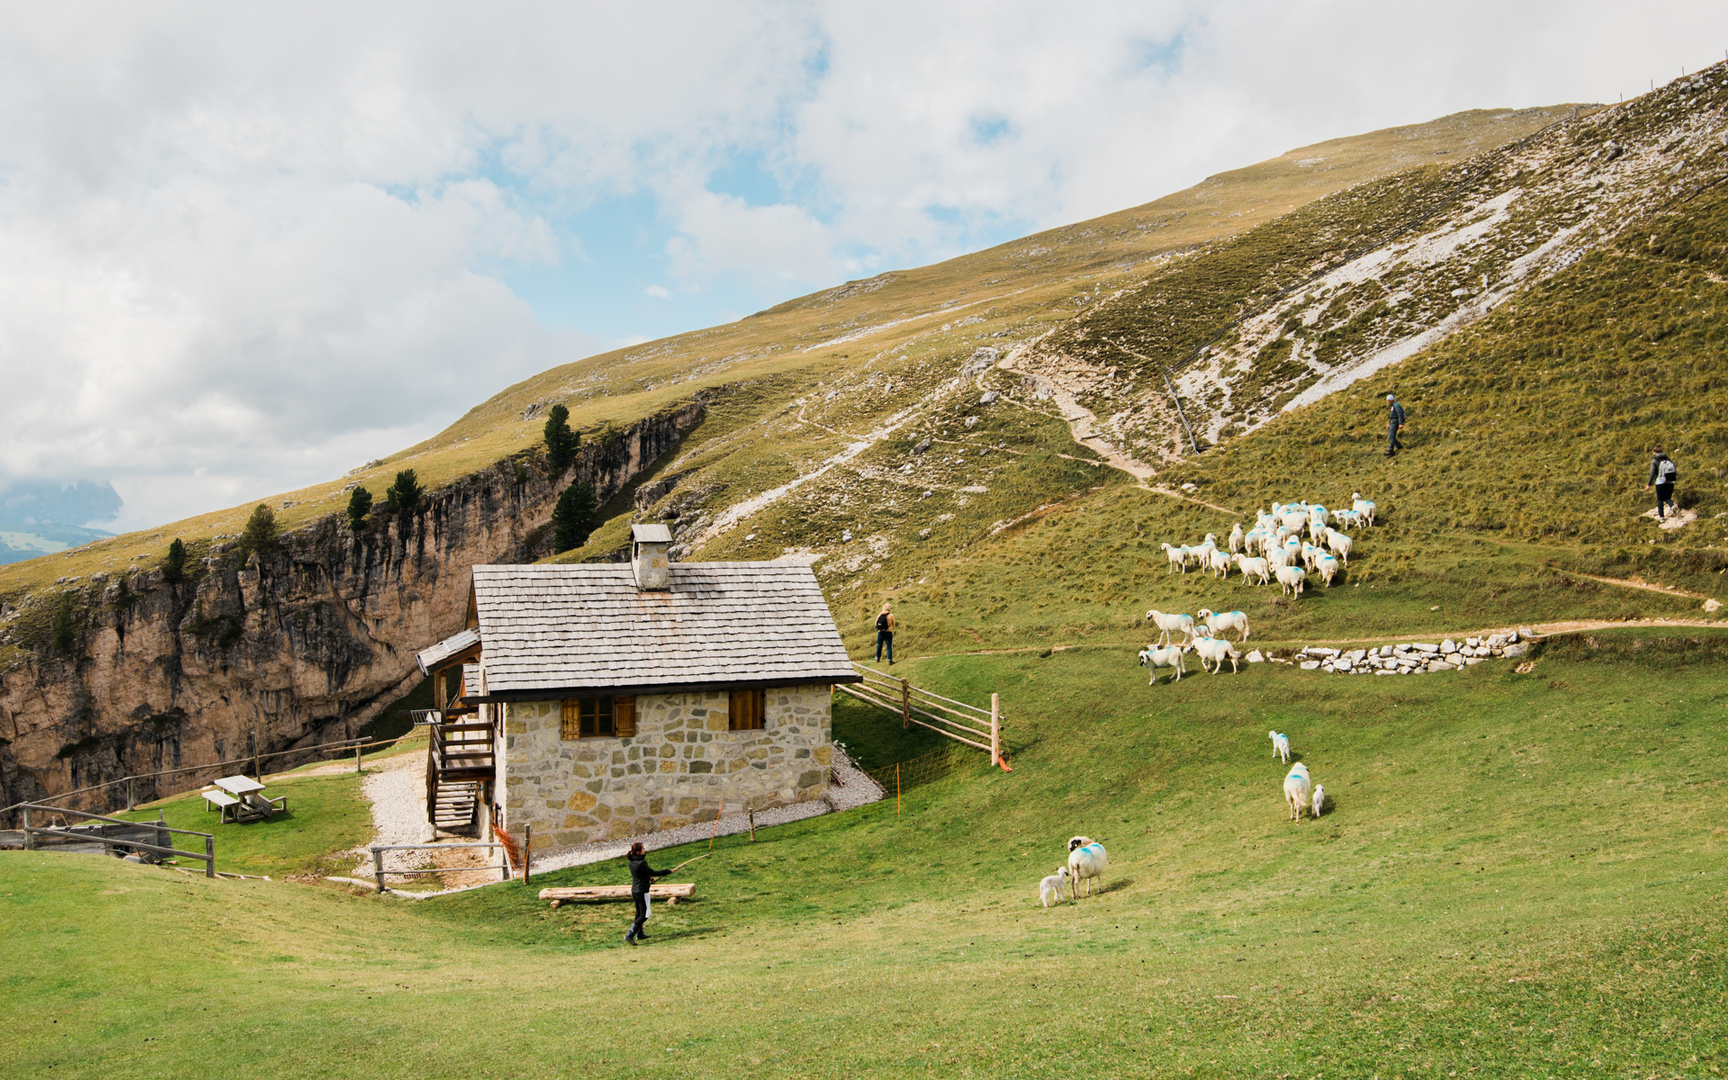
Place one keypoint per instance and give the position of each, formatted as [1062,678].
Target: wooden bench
[217,799]
[669,893]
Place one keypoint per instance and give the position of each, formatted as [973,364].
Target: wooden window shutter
[570,725]
[624,716]
[744,710]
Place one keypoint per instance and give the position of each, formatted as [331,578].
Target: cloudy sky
[244,248]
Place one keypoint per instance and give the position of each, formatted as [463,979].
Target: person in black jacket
[641,876]
[1663,474]
[1394,424]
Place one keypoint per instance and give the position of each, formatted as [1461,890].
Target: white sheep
[1327,567]
[1319,805]
[1340,545]
[1216,650]
[1171,623]
[1170,656]
[1052,887]
[1178,557]
[1086,862]
[1296,788]
[1362,506]
[1236,538]
[1292,580]
[1219,563]
[1255,568]
[1217,622]
[1348,518]
[1278,557]
[1280,745]
[1309,554]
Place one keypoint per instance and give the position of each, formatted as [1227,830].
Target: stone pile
[1411,658]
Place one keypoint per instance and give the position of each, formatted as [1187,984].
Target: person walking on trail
[1394,424]
[885,634]
[1663,474]
[641,876]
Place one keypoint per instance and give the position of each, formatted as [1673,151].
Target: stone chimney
[648,557]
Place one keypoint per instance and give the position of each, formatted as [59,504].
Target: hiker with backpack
[885,634]
[1663,474]
[1395,417]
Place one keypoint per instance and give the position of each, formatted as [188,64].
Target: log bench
[669,893]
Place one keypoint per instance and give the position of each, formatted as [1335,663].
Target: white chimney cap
[650,534]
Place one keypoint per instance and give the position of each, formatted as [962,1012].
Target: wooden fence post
[357,769]
[29,837]
[209,856]
[130,804]
[995,729]
[378,867]
[527,852]
[905,705]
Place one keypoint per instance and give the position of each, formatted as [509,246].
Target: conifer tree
[260,535]
[359,505]
[561,441]
[174,568]
[574,518]
[403,494]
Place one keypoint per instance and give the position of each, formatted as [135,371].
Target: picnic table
[241,799]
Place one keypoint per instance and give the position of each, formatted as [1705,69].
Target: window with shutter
[745,710]
[589,718]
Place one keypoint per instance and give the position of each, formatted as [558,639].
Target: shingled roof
[589,628]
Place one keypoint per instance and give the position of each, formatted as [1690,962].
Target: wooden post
[163,837]
[357,769]
[527,852]
[378,867]
[751,810]
[905,705]
[130,804]
[29,837]
[210,856]
[257,759]
[995,729]
[896,789]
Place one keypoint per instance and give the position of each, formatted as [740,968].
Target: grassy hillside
[916,321]
[1522,876]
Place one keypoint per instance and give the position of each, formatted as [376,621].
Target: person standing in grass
[885,633]
[1663,474]
[641,876]
[1394,424]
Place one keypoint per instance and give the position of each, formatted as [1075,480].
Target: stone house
[596,701]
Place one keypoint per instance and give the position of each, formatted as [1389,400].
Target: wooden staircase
[459,765]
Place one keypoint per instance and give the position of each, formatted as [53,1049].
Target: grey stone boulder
[1255,657]
[1310,665]
[1515,651]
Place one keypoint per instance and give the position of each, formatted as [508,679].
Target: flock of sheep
[1273,548]
[1277,537]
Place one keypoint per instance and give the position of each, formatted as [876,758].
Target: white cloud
[658,292]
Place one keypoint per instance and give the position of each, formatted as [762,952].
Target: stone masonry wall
[676,769]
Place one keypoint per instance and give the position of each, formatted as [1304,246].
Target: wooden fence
[956,720]
[117,834]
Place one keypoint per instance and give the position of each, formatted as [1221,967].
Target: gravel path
[397,788]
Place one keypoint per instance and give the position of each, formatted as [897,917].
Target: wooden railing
[120,836]
[969,724]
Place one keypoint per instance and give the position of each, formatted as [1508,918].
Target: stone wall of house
[677,768]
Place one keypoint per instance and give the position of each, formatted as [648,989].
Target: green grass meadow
[1522,876]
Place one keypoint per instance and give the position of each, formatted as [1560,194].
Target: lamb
[1053,886]
[1327,567]
[1296,786]
[1319,805]
[1217,622]
[1236,538]
[1309,554]
[1349,518]
[1255,568]
[1086,862]
[1216,650]
[1169,656]
[1172,622]
[1340,544]
[1280,746]
[1362,506]
[1291,580]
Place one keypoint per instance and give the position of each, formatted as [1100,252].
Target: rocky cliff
[306,644]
